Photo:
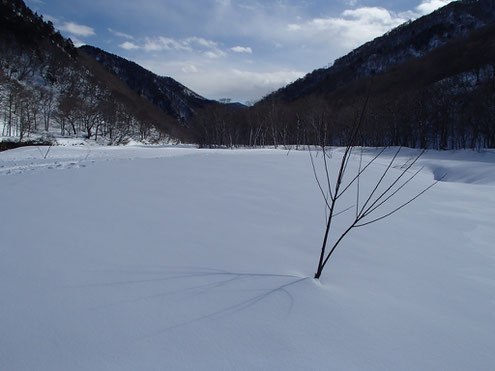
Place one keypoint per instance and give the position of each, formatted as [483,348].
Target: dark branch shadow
[222,279]
[235,308]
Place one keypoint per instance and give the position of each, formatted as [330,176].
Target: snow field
[126,258]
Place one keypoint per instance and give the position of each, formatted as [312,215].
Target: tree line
[453,113]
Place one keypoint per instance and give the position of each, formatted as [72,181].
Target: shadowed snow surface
[142,258]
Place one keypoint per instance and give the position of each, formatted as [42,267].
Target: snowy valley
[125,258]
[146,227]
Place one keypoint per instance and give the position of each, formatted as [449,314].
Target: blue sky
[236,49]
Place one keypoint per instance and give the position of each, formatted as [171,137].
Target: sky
[235,49]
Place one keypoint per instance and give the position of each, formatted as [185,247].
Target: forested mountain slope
[169,95]
[428,83]
[48,86]
[413,39]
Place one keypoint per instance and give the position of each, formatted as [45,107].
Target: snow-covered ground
[167,258]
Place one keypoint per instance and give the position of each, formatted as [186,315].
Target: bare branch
[343,211]
[329,185]
[393,193]
[335,245]
[317,179]
[380,181]
[361,172]
[400,207]
[394,182]
[357,190]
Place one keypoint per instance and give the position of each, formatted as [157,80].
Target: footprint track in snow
[15,168]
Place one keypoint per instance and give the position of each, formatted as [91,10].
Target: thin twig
[395,182]
[400,207]
[361,172]
[329,185]
[316,177]
[357,191]
[343,211]
[380,181]
[393,193]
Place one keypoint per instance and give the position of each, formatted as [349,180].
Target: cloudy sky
[238,49]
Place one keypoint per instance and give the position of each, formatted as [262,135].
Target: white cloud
[189,68]
[201,42]
[354,26]
[267,79]
[195,45]
[214,54]
[127,45]
[164,43]
[76,29]
[294,27]
[217,79]
[428,6]
[351,29]
[73,29]
[242,49]
[283,33]
[371,15]
[241,84]
[49,18]
[153,45]
[77,43]
[121,34]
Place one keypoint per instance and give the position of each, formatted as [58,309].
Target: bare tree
[47,103]
[68,113]
[369,208]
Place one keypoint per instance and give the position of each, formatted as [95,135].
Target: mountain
[413,39]
[429,83]
[49,87]
[169,95]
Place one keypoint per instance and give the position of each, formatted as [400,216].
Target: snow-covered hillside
[149,258]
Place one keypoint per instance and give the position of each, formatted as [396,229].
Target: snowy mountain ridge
[413,39]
